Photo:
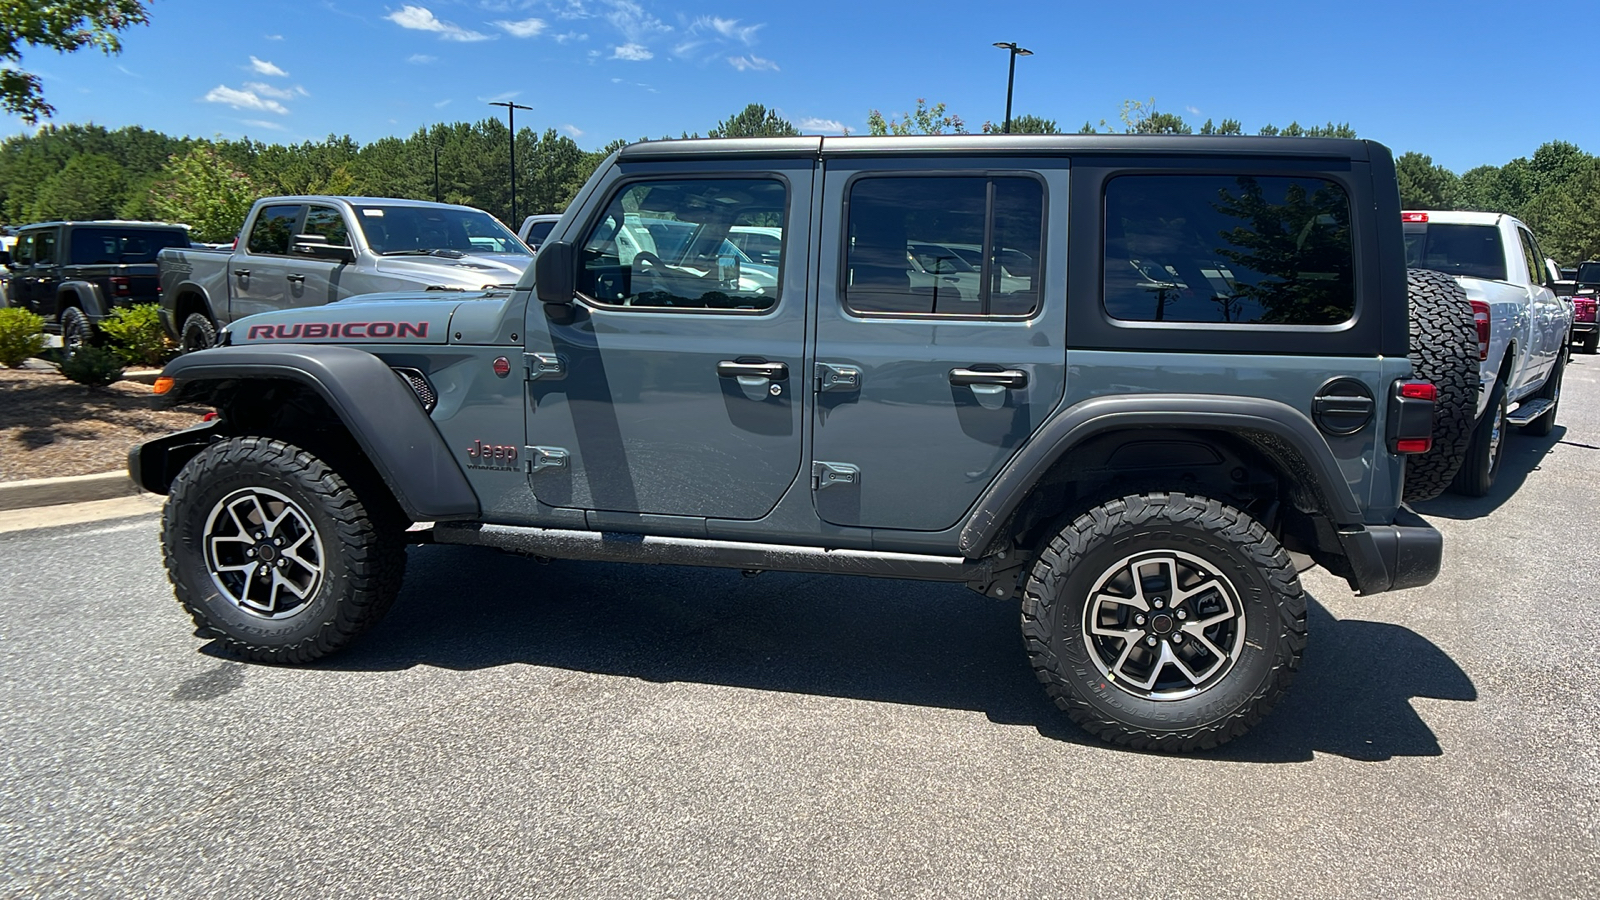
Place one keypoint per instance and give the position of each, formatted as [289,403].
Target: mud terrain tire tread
[1444,351]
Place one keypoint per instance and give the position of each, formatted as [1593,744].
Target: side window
[22,253]
[538,231]
[664,244]
[1233,249]
[328,222]
[44,248]
[1530,256]
[273,229]
[937,245]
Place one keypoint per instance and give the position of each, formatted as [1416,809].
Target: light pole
[511,120]
[1011,76]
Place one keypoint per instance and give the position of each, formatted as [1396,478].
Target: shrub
[136,335]
[21,336]
[92,366]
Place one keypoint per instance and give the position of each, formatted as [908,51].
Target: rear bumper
[1584,327]
[1393,557]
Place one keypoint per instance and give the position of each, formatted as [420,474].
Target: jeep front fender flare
[379,409]
[1076,424]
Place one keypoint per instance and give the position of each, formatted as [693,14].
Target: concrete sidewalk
[78,513]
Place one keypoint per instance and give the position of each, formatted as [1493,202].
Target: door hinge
[838,378]
[545,365]
[828,474]
[542,458]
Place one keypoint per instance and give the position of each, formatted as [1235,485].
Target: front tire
[1478,472]
[272,553]
[1164,621]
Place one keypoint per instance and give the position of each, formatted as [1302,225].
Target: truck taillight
[1480,318]
[120,286]
[1414,217]
[1583,309]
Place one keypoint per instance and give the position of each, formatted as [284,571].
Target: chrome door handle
[296,278]
[1011,378]
[729,368]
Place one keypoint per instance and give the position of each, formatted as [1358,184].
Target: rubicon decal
[308,331]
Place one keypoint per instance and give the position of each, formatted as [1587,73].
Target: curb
[71,489]
[143,376]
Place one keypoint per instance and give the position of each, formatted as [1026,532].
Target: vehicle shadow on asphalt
[1523,456]
[884,641]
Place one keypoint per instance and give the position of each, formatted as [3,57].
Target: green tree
[87,187]
[1228,126]
[1424,185]
[754,120]
[1307,234]
[1024,125]
[62,25]
[926,120]
[202,190]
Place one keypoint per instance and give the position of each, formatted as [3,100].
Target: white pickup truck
[1522,325]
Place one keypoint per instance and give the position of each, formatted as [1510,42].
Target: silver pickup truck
[307,251]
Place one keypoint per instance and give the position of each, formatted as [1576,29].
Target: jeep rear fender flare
[84,295]
[379,409]
[1206,412]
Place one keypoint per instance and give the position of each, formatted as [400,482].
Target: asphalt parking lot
[585,730]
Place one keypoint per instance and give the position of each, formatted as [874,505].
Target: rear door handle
[775,371]
[296,278]
[1011,378]
[242,273]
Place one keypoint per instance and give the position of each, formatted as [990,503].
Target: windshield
[1588,273]
[397,230]
[1472,250]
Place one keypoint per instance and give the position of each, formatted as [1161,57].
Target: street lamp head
[1022,52]
[1004,45]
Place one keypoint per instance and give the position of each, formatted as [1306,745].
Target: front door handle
[296,278]
[1011,378]
[776,371]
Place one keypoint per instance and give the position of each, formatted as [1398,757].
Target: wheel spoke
[267,589]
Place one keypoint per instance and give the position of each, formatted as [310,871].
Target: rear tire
[1444,351]
[76,331]
[272,553]
[1591,342]
[1487,449]
[1194,672]
[198,333]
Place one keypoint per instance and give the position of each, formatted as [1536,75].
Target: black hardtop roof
[102,223]
[1003,144]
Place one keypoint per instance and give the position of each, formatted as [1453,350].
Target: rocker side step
[1530,410]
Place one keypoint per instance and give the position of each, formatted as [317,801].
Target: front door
[940,334]
[674,388]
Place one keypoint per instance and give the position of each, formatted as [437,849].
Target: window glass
[1530,255]
[22,253]
[1588,273]
[328,222]
[435,231]
[963,246]
[104,245]
[273,229]
[538,231]
[1228,249]
[666,244]
[1472,250]
[44,248]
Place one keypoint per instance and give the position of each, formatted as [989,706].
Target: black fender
[378,408]
[1079,422]
[86,295]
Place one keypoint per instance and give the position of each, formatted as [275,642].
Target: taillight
[1419,390]
[1583,309]
[1413,217]
[120,286]
[1480,318]
[1411,416]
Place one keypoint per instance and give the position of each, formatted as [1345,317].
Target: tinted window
[328,222]
[1588,273]
[1456,249]
[1219,248]
[665,244]
[104,245]
[22,252]
[44,248]
[273,228]
[538,231]
[425,230]
[964,246]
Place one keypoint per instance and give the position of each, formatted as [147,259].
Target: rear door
[259,272]
[931,372]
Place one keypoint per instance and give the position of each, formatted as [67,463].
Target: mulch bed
[50,426]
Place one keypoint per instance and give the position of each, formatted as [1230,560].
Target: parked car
[1523,327]
[536,228]
[646,406]
[74,273]
[308,251]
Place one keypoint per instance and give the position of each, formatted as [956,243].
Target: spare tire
[1444,350]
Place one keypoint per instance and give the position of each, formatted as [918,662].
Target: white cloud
[744,63]
[1192,111]
[277,93]
[262,67]
[573,130]
[442,104]
[420,18]
[421,59]
[273,37]
[501,97]
[571,36]
[729,28]
[525,28]
[244,100]
[635,52]
[635,24]
[263,123]
[825,126]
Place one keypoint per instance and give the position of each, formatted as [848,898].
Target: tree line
[90,172]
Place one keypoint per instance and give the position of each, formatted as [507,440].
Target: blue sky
[1467,82]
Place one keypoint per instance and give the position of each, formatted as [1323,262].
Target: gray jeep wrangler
[1134,383]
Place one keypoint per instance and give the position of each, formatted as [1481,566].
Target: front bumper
[1393,557]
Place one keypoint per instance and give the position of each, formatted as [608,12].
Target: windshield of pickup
[422,230]
[1588,273]
[1472,250]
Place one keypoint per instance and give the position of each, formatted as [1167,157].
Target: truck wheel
[1487,449]
[1444,350]
[198,333]
[1164,621]
[272,553]
[1542,426]
[76,330]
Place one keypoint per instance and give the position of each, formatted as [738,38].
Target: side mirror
[5,258]
[316,245]
[554,273]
